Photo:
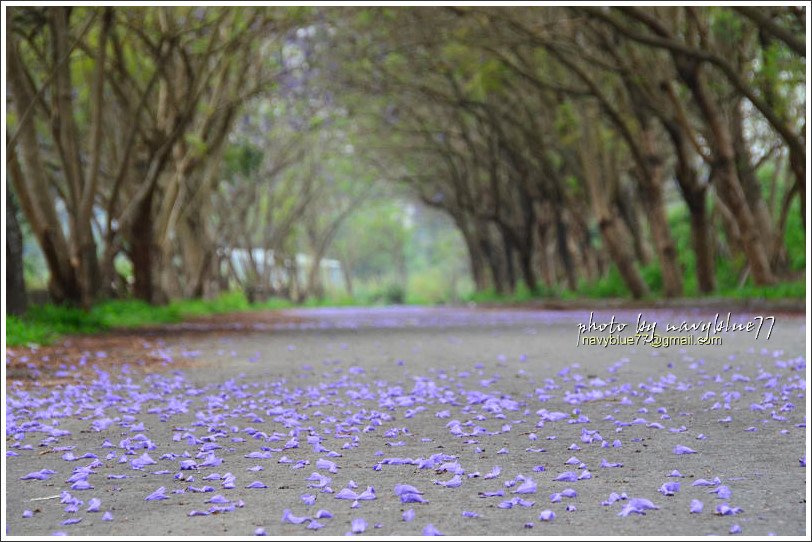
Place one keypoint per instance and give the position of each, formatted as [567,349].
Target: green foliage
[22,333]
[610,285]
[133,313]
[243,159]
[43,324]
[783,290]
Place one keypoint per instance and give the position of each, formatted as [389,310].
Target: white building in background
[332,275]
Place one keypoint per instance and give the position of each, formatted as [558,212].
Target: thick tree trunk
[747,176]
[617,243]
[628,202]
[600,176]
[564,252]
[476,261]
[694,195]
[32,188]
[663,242]
[701,231]
[142,252]
[16,298]
[729,186]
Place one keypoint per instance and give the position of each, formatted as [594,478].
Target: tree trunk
[600,176]
[747,176]
[142,252]
[663,242]
[564,249]
[31,185]
[617,243]
[694,195]
[628,202]
[729,186]
[475,258]
[16,298]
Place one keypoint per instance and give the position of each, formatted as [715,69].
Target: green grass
[43,324]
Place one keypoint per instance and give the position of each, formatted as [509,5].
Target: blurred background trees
[403,153]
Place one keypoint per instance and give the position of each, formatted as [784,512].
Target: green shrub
[21,333]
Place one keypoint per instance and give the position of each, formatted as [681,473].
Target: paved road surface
[418,396]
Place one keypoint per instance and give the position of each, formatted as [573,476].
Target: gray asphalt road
[384,393]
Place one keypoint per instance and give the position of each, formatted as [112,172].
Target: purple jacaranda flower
[408,515]
[358,525]
[735,529]
[320,480]
[28,513]
[218,499]
[288,517]
[675,474]
[607,465]
[702,482]
[142,461]
[527,487]
[572,461]
[193,513]
[499,493]
[614,497]
[94,505]
[567,476]
[493,474]
[802,461]
[256,484]
[202,489]
[455,481]
[722,492]
[314,525]
[188,464]
[326,464]
[547,515]
[347,494]
[323,514]
[43,474]
[467,514]
[107,516]
[638,506]
[696,506]
[71,521]
[157,495]
[309,500]
[367,495]
[679,449]
[669,488]
[430,530]
[725,509]
[259,531]
[400,489]
[81,485]
[569,493]
[586,475]
[412,498]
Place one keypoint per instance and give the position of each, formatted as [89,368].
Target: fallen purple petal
[547,515]
[288,517]
[359,525]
